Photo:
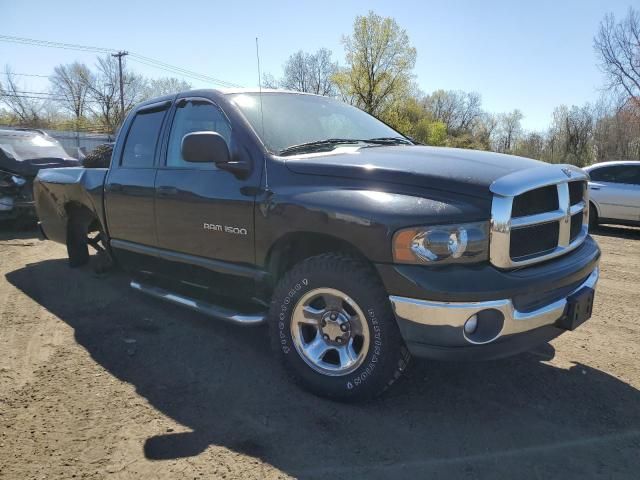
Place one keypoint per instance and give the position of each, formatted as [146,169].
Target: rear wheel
[77,241]
[333,327]
[83,231]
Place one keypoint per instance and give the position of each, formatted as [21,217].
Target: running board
[215,311]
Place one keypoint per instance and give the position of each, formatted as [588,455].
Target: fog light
[471,324]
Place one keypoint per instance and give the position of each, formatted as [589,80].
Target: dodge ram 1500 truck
[357,246]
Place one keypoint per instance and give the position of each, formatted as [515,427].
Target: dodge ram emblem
[567,172]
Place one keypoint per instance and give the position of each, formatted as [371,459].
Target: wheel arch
[77,211]
[594,203]
[293,247]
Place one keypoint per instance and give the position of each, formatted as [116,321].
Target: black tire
[593,217]
[77,241]
[387,356]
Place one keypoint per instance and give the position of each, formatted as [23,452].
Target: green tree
[379,60]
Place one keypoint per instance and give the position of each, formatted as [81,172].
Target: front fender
[366,219]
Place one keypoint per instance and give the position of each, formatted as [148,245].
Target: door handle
[114,187]
[595,188]
[167,191]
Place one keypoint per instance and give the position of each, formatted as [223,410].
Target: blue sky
[528,55]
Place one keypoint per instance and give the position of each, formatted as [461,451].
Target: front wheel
[333,327]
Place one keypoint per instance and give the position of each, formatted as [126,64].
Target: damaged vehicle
[23,153]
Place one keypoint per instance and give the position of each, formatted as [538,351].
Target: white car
[614,193]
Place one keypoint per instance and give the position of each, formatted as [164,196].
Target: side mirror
[204,147]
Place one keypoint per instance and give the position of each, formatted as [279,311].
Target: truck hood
[468,172]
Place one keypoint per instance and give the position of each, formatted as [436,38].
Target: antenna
[266,177]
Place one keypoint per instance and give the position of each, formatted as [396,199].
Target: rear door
[130,184]
[616,189]
[203,213]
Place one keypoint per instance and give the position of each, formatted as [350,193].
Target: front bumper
[17,202]
[517,309]
[436,329]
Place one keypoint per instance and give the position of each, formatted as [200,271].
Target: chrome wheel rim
[330,331]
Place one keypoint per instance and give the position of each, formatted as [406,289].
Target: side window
[624,174]
[602,174]
[140,145]
[618,174]
[195,116]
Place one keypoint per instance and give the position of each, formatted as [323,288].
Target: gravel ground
[98,381]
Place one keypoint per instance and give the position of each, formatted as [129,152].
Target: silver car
[614,192]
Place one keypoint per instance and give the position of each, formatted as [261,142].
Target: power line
[12,95]
[45,43]
[136,57]
[181,71]
[36,93]
[41,96]
[24,74]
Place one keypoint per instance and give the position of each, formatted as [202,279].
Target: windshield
[28,145]
[294,119]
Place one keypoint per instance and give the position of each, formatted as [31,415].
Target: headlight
[463,243]
[9,179]
[5,179]
[18,180]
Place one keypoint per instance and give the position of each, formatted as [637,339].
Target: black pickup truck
[357,246]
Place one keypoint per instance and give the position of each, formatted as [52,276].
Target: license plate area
[579,308]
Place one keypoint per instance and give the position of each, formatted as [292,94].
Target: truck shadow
[222,383]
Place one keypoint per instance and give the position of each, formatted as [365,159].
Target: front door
[201,211]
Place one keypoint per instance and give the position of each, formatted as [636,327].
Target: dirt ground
[97,381]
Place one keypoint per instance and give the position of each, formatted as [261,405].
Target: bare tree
[485,128]
[70,83]
[616,130]
[571,135]
[456,109]
[322,70]
[269,81]
[310,72]
[510,129]
[532,145]
[618,47]
[104,90]
[156,87]
[296,73]
[24,105]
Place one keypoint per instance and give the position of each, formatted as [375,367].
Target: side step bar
[215,311]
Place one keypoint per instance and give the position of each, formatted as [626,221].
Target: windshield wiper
[317,145]
[389,141]
[329,142]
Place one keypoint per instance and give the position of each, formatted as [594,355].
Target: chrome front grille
[538,214]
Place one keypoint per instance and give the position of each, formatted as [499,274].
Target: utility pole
[121,54]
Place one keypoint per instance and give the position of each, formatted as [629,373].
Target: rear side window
[140,145]
[628,174]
